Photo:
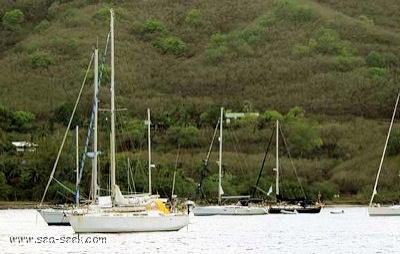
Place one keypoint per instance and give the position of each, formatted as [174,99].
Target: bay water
[354,231]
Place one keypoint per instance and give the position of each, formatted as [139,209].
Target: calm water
[351,232]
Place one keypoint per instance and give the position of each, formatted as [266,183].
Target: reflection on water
[351,232]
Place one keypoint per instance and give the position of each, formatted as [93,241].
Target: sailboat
[283,206]
[226,209]
[376,209]
[56,215]
[121,215]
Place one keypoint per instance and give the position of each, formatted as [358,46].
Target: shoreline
[7,205]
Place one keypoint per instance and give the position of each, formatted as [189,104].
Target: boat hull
[54,217]
[126,222]
[228,210]
[278,209]
[384,211]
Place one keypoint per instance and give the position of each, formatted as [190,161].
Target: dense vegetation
[327,69]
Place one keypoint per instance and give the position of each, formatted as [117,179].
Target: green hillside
[327,69]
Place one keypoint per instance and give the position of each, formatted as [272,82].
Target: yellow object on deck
[162,207]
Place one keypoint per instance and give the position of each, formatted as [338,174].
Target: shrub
[215,55]
[170,45]
[194,17]
[376,73]
[154,26]
[295,12]
[303,139]
[12,19]
[271,116]
[365,20]
[40,60]
[103,14]
[22,120]
[43,25]
[294,113]
[394,144]
[376,59]
[328,41]
[184,136]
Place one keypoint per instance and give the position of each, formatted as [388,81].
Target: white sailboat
[376,209]
[124,216]
[226,209]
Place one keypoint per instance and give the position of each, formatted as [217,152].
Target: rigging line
[176,166]
[384,150]
[235,146]
[65,187]
[205,163]
[291,161]
[66,132]
[263,163]
[84,152]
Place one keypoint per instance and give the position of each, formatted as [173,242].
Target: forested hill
[329,57]
[328,69]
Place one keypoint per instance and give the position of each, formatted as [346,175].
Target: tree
[303,139]
[23,121]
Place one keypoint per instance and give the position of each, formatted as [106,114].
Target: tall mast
[220,192]
[149,147]
[374,192]
[112,136]
[95,186]
[77,166]
[277,158]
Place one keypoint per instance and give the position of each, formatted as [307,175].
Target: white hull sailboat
[377,209]
[54,217]
[226,209]
[117,222]
[393,210]
[120,218]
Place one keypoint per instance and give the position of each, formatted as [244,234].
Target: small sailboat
[125,213]
[375,209]
[226,209]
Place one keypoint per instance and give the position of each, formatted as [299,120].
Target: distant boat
[337,212]
[375,209]
[284,204]
[221,209]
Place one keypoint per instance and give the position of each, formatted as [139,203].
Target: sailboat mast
[112,137]
[77,166]
[220,158]
[374,192]
[277,158]
[149,147]
[96,104]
